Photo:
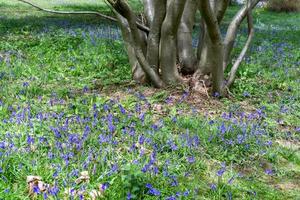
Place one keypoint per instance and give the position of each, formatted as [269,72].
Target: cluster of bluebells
[240,132]
[102,139]
[106,136]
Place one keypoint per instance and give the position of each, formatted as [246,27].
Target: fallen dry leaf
[30,179]
[36,182]
[94,194]
[84,177]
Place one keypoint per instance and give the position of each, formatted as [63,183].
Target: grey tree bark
[149,10]
[136,70]
[214,33]
[160,8]
[186,53]
[168,50]
[233,29]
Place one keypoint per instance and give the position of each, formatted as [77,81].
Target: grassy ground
[67,105]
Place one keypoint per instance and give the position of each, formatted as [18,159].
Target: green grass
[63,89]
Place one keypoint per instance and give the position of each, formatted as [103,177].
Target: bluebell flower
[172,145]
[55,174]
[106,107]
[122,109]
[216,94]
[171,198]
[221,171]
[129,196]
[246,94]
[36,189]
[25,84]
[104,186]
[145,168]
[269,172]
[191,159]
[114,168]
[186,193]
[141,139]
[213,187]
[269,143]
[30,140]
[152,191]
[230,181]
[2,145]
[174,119]
[174,181]
[169,100]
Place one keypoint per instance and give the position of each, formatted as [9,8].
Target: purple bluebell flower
[169,100]
[246,94]
[141,139]
[230,181]
[122,109]
[36,189]
[2,145]
[213,187]
[115,167]
[269,143]
[221,171]
[25,84]
[191,159]
[85,89]
[173,146]
[174,181]
[55,174]
[152,191]
[216,95]
[30,140]
[106,107]
[269,172]
[129,196]
[104,186]
[186,193]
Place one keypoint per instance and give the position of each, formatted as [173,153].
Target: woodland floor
[68,105]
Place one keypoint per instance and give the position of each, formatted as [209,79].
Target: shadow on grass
[31,20]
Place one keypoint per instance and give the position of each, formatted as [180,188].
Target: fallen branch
[140,26]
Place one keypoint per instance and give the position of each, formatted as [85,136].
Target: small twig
[228,91]
[206,90]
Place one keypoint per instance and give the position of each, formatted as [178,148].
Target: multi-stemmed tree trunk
[159,45]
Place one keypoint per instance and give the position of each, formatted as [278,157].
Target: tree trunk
[149,10]
[155,34]
[168,50]
[186,54]
[137,72]
[213,31]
